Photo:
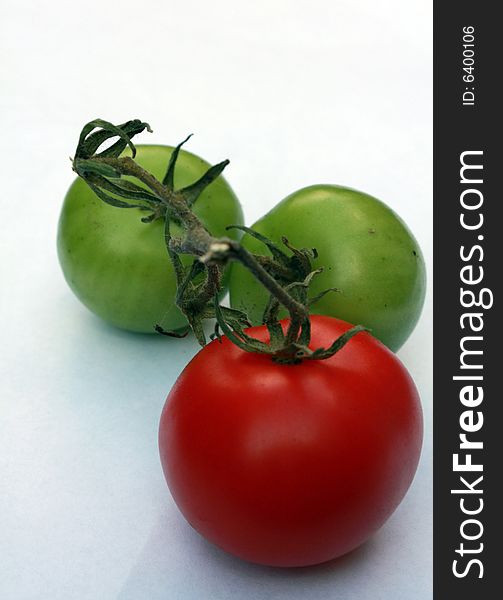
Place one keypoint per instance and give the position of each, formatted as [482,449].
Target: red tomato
[291,465]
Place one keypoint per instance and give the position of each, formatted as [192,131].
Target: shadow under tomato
[177,563]
[341,563]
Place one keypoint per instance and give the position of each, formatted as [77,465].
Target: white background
[294,93]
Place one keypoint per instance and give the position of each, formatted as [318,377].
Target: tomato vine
[285,276]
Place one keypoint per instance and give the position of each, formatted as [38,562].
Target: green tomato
[367,253]
[117,265]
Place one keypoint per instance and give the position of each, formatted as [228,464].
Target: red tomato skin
[291,465]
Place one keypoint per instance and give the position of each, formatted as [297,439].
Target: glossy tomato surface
[117,265]
[291,465]
[367,253]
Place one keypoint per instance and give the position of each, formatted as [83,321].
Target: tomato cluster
[281,464]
